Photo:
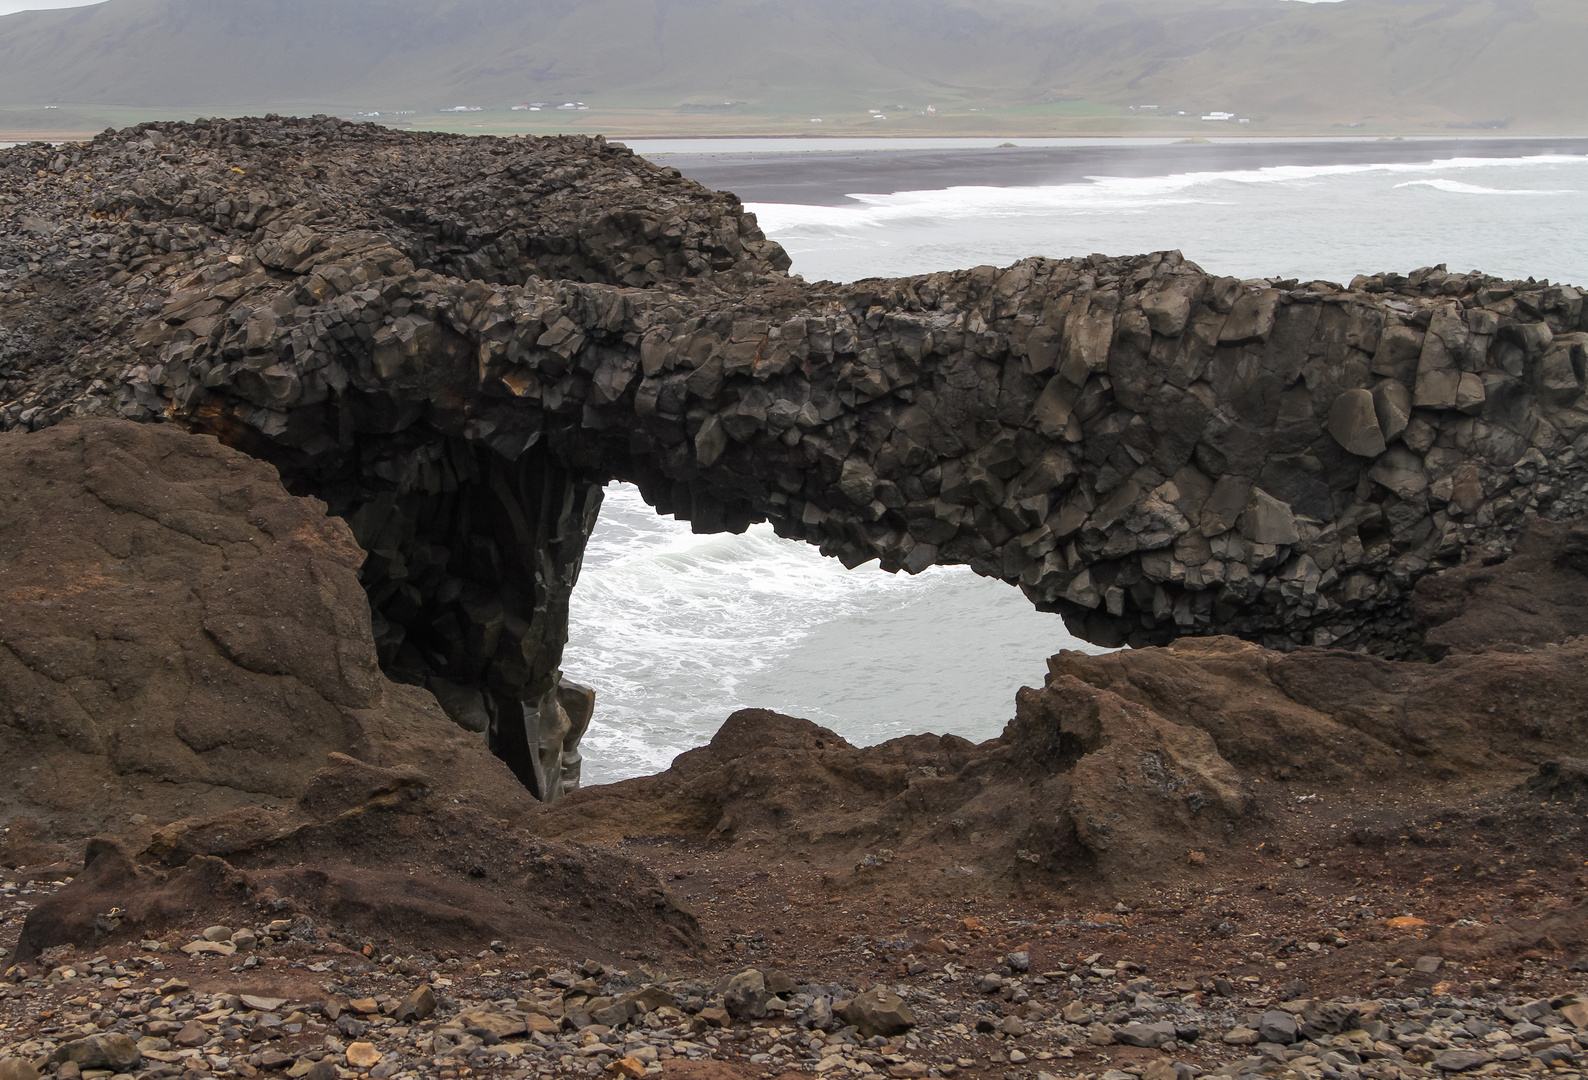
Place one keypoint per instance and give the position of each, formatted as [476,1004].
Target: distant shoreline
[829,177]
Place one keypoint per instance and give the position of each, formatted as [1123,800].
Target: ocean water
[1513,217]
[676,631]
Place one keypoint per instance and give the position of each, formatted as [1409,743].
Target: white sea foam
[1456,187]
[1129,194]
[1312,221]
[676,631]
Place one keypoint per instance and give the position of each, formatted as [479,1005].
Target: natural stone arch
[1147,449]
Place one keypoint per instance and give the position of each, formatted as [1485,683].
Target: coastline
[829,177]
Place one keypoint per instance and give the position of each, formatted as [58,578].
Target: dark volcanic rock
[455,342]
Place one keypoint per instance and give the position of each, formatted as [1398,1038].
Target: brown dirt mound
[187,669]
[1536,595]
[1135,766]
[1082,784]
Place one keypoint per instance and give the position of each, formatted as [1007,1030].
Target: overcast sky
[8,6]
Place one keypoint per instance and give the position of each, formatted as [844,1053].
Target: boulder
[1266,520]
[15,1068]
[745,995]
[1353,421]
[117,1053]
[1279,1027]
[879,1011]
[1392,406]
[420,1004]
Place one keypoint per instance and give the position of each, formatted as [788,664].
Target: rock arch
[456,342]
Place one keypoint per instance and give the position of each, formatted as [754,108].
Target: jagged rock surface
[455,342]
[1117,767]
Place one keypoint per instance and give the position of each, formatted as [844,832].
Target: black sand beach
[828,177]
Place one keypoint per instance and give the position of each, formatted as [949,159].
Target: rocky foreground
[993,990]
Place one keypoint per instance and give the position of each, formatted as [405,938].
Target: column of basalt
[472,559]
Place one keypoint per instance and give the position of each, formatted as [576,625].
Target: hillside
[1429,63]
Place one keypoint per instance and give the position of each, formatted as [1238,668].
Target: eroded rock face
[455,342]
[1121,766]
[187,676]
[179,636]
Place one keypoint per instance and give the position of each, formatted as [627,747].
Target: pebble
[440,1021]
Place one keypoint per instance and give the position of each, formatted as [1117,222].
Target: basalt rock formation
[456,342]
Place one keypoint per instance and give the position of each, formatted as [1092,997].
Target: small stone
[631,1067]
[715,1017]
[1013,1027]
[192,1034]
[879,1011]
[1242,1036]
[1277,1027]
[1147,1035]
[325,1069]
[1100,1035]
[262,1004]
[418,1005]
[363,1055]
[1077,1013]
[1017,1057]
[1459,1060]
[15,1068]
[217,933]
[212,948]
[118,1053]
[1295,988]
[1429,964]
[819,1016]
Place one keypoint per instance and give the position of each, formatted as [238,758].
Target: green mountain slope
[1440,61]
